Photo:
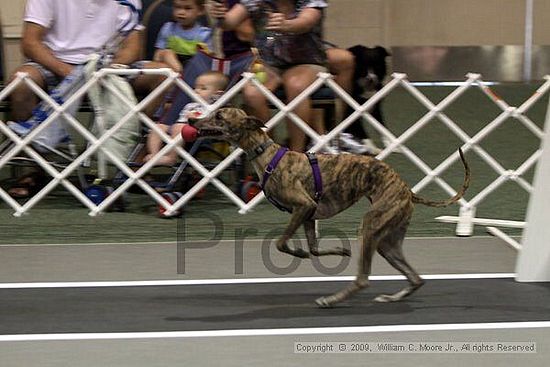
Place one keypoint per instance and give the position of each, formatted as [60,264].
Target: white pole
[533,263]
[528,48]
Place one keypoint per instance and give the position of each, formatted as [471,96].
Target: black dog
[370,72]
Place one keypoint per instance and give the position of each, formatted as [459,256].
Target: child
[177,41]
[210,86]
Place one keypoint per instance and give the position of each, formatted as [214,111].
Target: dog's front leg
[313,242]
[300,214]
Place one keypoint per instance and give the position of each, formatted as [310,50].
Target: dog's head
[370,68]
[229,124]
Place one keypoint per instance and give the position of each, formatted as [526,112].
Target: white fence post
[465,225]
[533,263]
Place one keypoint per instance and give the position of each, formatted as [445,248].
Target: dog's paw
[300,253]
[324,302]
[385,298]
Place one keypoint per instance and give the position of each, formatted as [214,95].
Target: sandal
[27,185]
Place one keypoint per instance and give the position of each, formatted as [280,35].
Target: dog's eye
[219,115]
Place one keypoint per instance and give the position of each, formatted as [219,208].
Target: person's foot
[331,147]
[27,185]
[350,144]
[164,161]
[19,192]
[20,128]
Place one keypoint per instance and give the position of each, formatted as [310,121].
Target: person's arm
[304,22]
[162,52]
[245,31]
[130,49]
[33,48]
[229,20]
[168,57]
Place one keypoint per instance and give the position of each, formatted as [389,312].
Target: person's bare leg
[255,101]
[342,66]
[154,143]
[317,121]
[23,99]
[295,80]
[171,158]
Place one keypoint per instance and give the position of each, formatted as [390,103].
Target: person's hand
[216,9]
[176,66]
[65,70]
[276,22]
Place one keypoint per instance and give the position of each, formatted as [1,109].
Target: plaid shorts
[53,80]
[50,78]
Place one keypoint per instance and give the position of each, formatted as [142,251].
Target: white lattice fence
[466,218]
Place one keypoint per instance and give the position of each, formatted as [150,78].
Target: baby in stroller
[210,85]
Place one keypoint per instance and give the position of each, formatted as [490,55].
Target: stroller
[183,176]
[175,101]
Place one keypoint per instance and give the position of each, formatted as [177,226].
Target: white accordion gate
[466,218]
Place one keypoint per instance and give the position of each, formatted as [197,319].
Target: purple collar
[317,179]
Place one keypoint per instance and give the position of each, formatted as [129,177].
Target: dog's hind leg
[313,242]
[394,255]
[369,243]
[391,249]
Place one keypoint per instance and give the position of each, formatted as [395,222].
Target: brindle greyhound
[346,178]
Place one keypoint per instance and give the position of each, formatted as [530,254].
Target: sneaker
[20,128]
[387,142]
[330,147]
[352,145]
[349,144]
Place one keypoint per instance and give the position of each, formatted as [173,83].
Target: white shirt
[77,28]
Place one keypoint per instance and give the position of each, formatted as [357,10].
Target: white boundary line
[422,238]
[190,282]
[450,84]
[275,332]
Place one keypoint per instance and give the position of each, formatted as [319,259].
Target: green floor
[61,219]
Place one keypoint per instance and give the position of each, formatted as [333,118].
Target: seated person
[238,57]
[209,86]
[178,40]
[58,35]
[288,37]
[354,139]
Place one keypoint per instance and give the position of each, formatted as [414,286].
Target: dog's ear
[361,63]
[252,123]
[357,50]
[383,51]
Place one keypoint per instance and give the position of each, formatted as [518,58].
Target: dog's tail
[419,200]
